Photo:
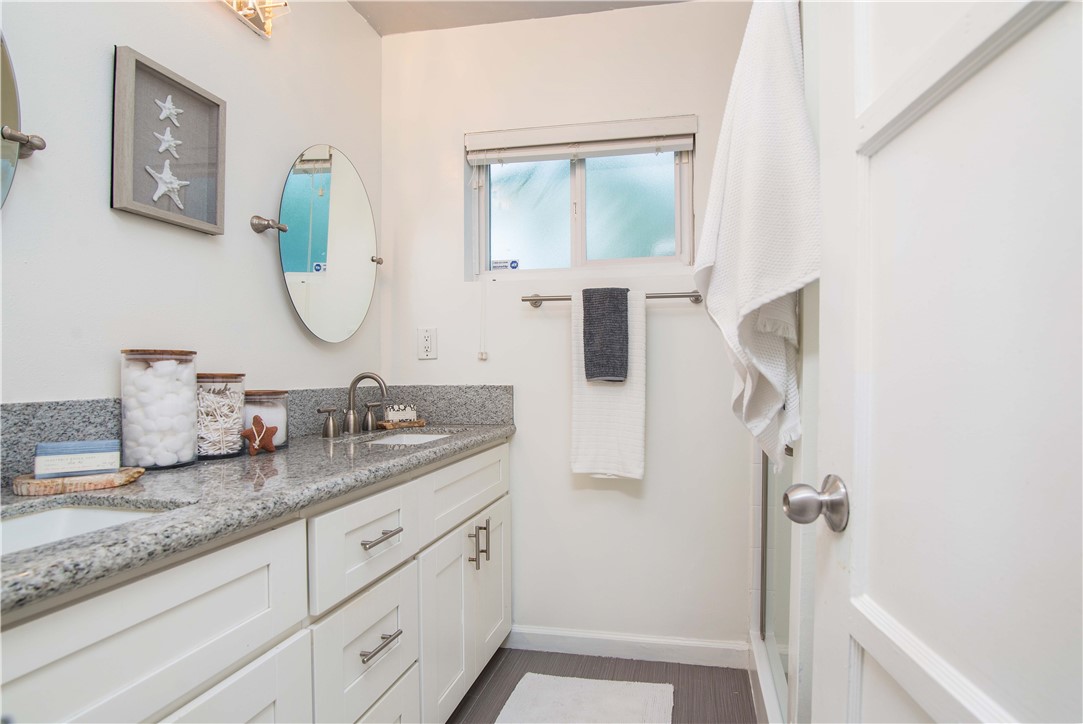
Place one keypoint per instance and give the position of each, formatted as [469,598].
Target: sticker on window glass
[505,264]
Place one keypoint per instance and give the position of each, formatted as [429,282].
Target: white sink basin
[417,438]
[35,529]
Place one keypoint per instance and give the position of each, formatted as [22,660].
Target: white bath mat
[563,699]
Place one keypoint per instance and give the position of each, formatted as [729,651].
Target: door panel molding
[940,688]
[986,31]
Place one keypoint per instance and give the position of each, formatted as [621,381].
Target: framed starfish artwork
[168,145]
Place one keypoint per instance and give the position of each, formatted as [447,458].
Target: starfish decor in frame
[158,113]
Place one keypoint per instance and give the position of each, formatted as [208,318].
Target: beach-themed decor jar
[158,408]
[220,414]
[271,406]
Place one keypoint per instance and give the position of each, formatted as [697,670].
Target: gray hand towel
[605,334]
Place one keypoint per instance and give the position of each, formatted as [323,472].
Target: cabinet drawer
[401,703]
[345,684]
[343,553]
[448,496]
[277,687]
[127,654]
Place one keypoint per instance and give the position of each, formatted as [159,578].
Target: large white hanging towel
[609,419]
[760,241]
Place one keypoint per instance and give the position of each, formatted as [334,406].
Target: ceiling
[388,17]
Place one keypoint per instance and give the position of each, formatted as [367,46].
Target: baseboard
[730,654]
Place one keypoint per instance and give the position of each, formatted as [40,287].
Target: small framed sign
[168,145]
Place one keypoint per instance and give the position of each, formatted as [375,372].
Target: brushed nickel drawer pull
[478,550]
[366,656]
[476,558]
[387,535]
[488,528]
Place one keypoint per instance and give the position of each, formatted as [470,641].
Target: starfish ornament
[259,436]
[168,142]
[168,184]
[169,110]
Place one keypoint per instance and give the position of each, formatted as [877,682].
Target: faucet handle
[369,423]
[330,425]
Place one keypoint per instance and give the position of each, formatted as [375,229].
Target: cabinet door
[128,653]
[343,553]
[449,496]
[400,705]
[492,614]
[349,669]
[448,665]
[277,687]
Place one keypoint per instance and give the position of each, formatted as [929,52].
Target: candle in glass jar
[271,406]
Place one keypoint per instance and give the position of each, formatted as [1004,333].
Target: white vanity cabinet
[134,651]
[353,614]
[465,607]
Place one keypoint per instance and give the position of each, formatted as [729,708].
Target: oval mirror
[9,116]
[329,249]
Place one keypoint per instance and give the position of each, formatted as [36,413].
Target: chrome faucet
[353,422]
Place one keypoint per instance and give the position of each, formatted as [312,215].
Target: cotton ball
[136,415]
[187,374]
[145,461]
[133,432]
[165,458]
[175,443]
[164,367]
[182,422]
[146,399]
[142,381]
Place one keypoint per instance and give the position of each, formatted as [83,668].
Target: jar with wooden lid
[220,413]
[272,407]
[158,407]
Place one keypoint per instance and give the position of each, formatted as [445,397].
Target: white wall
[81,281]
[666,557]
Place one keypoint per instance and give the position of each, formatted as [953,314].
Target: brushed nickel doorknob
[804,504]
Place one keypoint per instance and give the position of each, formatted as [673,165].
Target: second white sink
[416,438]
[35,529]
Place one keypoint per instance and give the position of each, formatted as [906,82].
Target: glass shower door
[775,582]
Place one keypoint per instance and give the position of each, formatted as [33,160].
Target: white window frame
[575,144]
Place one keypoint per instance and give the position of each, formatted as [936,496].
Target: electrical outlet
[426,342]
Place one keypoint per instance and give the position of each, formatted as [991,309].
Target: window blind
[615,138]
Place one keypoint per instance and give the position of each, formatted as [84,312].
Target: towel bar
[536,300]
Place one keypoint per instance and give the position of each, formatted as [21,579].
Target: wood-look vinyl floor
[701,694]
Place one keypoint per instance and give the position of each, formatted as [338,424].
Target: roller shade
[617,138]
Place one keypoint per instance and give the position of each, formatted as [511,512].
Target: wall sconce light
[258,14]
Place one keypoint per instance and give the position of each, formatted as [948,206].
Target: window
[581,196]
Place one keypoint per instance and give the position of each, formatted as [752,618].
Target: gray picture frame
[196,161]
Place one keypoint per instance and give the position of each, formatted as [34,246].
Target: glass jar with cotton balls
[158,410]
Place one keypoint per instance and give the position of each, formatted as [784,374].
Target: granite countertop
[210,500]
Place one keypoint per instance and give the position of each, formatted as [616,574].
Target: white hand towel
[609,418]
[760,241]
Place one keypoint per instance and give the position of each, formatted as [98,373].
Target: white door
[493,581]
[950,362]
